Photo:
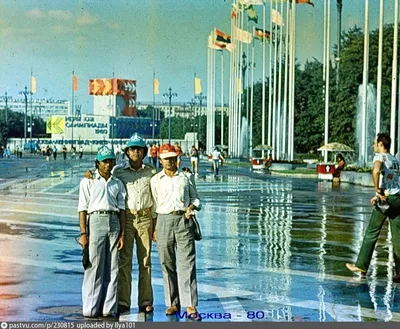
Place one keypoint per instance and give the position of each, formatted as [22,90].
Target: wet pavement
[273,248]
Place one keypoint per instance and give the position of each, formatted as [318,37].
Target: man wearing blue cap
[101,211]
[139,225]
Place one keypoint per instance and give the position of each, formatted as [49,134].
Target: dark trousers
[372,233]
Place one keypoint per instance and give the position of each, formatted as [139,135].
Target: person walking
[80,152]
[154,155]
[175,200]
[55,152]
[216,156]
[385,176]
[139,225]
[64,152]
[179,152]
[194,160]
[101,211]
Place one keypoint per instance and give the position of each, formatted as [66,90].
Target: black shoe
[146,309]
[123,309]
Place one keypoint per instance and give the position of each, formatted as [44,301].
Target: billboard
[123,89]
[55,125]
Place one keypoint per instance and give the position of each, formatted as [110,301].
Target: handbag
[85,257]
[197,231]
[383,206]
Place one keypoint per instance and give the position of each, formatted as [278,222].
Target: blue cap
[136,140]
[105,153]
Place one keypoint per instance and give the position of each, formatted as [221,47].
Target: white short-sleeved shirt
[215,155]
[389,178]
[97,194]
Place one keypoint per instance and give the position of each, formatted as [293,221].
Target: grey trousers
[100,281]
[176,248]
[139,228]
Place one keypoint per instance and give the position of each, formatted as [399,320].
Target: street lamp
[153,125]
[6,98]
[169,95]
[192,104]
[200,98]
[25,93]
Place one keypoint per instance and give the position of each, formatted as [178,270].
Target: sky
[134,38]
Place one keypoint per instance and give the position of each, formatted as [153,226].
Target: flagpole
[327,70]
[365,83]
[324,55]
[222,97]
[247,78]
[270,76]
[290,82]
[30,117]
[263,85]
[285,89]
[274,107]
[252,98]
[293,83]
[379,77]
[394,77]
[154,102]
[208,96]
[279,108]
[72,111]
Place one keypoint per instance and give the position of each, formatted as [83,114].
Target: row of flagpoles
[279,132]
[281,39]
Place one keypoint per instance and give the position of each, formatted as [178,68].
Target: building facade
[42,108]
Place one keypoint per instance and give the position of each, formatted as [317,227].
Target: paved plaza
[273,248]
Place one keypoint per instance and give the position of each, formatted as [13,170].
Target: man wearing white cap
[175,200]
[101,211]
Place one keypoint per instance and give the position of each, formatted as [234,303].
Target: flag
[299,2]
[156,86]
[234,11]
[74,83]
[212,45]
[243,35]
[221,37]
[230,47]
[261,34]
[276,17]
[251,2]
[197,86]
[252,14]
[33,84]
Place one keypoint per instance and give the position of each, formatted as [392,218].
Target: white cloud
[62,15]
[36,13]
[113,26]
[87,19]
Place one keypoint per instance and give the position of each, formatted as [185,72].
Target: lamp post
[6,98]
[200,98]
[192,104]
[25,93]
[169,95]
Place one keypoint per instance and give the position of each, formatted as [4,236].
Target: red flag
[299,2]
[75,83]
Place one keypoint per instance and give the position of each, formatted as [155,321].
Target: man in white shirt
[385,176]
[175,200]
[101,211]
[216,156]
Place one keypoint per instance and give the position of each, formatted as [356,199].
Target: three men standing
[175,199]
